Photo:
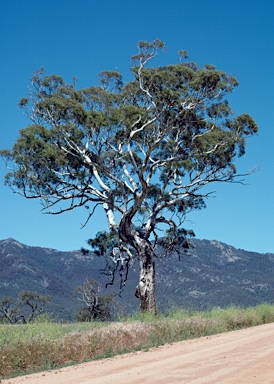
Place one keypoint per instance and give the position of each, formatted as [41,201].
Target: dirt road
[245,356]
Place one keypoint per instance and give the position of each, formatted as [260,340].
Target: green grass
[41,331]
[46,345]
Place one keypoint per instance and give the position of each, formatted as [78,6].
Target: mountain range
[211,274]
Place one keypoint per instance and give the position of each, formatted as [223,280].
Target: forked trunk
[145,290]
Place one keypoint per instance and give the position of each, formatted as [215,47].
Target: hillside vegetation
[213,274]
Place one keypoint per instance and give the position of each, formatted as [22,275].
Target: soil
[245,356]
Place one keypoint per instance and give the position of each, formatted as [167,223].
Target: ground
[244,356]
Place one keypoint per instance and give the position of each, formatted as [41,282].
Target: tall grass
[45,345]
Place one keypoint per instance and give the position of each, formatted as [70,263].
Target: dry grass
[33,347]
[45,353]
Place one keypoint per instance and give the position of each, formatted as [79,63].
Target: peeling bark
[145,290]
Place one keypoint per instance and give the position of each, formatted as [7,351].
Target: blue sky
[81,38]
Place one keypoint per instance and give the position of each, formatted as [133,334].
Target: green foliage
[177,114]
[103,242]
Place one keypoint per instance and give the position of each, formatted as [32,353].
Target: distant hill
[213,274]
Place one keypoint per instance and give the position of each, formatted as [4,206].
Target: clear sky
[81,38]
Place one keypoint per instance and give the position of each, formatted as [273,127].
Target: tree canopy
[142,150]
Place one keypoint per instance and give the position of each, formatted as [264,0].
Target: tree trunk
[145,290]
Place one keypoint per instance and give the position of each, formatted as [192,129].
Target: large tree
[145,151]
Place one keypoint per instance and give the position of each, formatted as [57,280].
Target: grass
[46,345]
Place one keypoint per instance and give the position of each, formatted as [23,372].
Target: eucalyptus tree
[96,306]
[145,151]
[24,309]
